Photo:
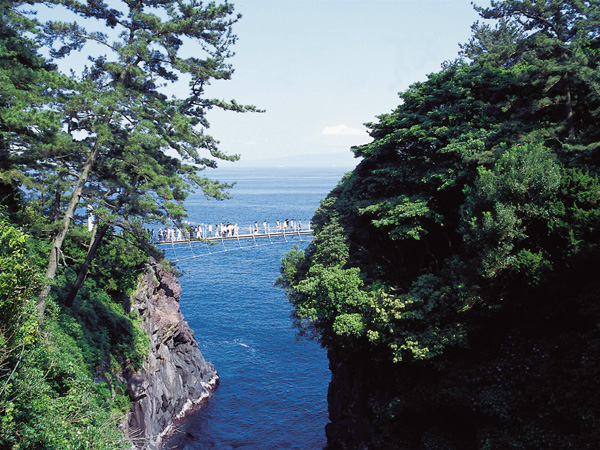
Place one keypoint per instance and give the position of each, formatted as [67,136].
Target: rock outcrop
[350,415]
[175,377]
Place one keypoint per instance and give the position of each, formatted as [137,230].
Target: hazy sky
[323,68]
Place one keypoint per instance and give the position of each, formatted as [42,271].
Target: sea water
[273,385]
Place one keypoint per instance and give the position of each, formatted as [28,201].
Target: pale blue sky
[323,68]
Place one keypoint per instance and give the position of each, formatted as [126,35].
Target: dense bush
[59,378]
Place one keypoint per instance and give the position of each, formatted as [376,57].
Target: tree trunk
[569,109]
[86,265]
[66,223]
[568,100]
[56,207]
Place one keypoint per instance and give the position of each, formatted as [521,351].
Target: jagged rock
[175,376]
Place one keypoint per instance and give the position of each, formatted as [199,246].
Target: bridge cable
[193,255]
[174,251]
[191,248]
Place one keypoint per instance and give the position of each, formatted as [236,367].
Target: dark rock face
[175,377]
[351,426]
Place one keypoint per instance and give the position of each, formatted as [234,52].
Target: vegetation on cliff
[61,384]
[107,143]
[455,269]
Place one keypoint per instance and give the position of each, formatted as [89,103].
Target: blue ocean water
[273,385]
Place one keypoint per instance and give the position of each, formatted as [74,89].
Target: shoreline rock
[175,378]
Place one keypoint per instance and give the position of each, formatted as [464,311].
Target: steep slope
[175,377]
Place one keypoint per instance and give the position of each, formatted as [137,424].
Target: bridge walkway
[183,249]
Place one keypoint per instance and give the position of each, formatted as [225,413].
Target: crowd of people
[205,231]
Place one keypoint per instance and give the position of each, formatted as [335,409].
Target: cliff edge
[175,377]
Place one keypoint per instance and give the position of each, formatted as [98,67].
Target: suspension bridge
[189,248]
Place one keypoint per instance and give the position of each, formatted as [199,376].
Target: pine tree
[30,128]
[140,150]
[557,42]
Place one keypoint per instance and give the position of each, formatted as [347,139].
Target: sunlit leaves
[403,217]
[19,281]
[419,324]
[330,246]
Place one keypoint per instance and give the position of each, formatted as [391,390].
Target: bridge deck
[239,237]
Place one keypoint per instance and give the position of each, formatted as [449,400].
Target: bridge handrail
[237,237]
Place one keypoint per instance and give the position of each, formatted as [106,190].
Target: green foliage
[119,97]
[98,319]
[462,192]
[52,402]
[403,217]
[330,246]
[509,207]
[30,95]
[108,138]
[420,324]
[350,325]
[48,396]
[327,293]
[290,265]
[18,280]
[558,40]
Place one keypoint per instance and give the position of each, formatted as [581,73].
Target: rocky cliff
[175,377]
[350,415]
